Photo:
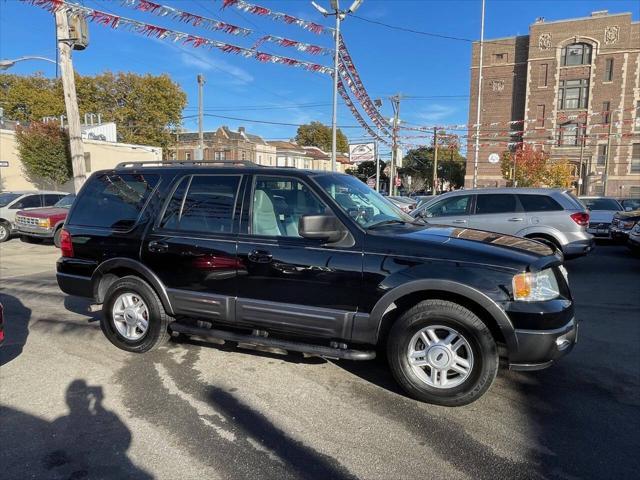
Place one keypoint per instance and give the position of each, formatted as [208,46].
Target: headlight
[535,287]
[626,225]
[44,222]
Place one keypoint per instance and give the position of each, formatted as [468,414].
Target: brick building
[564,88]
[225,144]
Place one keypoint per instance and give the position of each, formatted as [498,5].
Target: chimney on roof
[540,20]
[600,13]
[240,129]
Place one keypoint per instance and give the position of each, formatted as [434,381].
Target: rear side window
[208,206]
[495,203]
[113,200]
[539,203]
[51,199]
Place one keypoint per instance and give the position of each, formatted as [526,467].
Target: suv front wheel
[133,316]
[442,353]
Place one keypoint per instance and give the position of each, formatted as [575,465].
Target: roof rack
[191,163]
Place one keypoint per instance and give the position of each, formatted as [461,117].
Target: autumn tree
[44,151]
[418,163]
[558,174]
[528,166]
[145,108]
[316,134]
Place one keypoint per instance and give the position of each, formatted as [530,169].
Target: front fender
[130,264]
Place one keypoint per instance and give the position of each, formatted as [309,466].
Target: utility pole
[200,151]
[435,159]
[377,153]
[580,169]
[479,106]
[395,102]
[605,176]
[70,99]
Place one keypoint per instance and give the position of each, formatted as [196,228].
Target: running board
[308,348]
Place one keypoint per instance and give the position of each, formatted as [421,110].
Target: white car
[12,202]
[601,211]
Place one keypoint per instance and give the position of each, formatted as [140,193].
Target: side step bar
[308,348]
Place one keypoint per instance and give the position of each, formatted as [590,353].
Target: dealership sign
[362,152]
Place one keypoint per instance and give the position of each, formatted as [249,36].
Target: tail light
[66,245]
[581,218]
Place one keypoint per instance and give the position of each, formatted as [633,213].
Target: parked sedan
[601,211]
[44,223]
[630,204]
[634,239]
[405,204]
[622,224]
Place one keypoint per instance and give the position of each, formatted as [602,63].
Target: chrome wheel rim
[440,356]
[4,232]
[130,316]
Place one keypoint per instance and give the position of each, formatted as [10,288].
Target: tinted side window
[279,202]
[458,205]
[51,199]
[174,207]
[30,201]
[539,203]
[209,204]
[495,203]
[113,200]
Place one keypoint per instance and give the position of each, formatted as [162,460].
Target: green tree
[366,170]
[147,109]
[44,151]
[418,163]
[316,134]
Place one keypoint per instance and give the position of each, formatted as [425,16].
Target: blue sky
[389,61]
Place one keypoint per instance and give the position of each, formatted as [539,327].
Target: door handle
[516,219]
[459,221]
[157,247]
[260,256]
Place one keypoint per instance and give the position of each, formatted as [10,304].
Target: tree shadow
[16,328]
[89,442]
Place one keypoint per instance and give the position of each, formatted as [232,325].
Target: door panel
[452,211]
[498,213]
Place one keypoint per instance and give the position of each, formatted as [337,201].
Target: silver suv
[549,215]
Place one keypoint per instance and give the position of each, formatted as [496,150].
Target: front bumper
[34,231]
[579,247]
[538,349]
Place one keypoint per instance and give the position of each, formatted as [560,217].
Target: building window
[637,124]
[634,192]
[635,158]
[601,160]
[576,54]
[220,156]
[606,113]
[544,72]
[573,94]
[499,58]
[568,135]
[187,155]
[540,116]
[608,70]
[244,155]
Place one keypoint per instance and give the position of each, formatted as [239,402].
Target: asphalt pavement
[72,406]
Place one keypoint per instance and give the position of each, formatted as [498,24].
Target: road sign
[371,182]
[4,163]
[494,158]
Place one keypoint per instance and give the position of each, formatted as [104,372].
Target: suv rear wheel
[442,353]
[133,316]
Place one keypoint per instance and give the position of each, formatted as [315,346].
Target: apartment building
[570,87]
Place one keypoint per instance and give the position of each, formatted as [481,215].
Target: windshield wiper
[386,222]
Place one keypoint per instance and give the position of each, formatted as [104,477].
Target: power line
[250,120]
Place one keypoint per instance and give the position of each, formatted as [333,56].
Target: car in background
[12,202]
[623,223]
[629,204]
[633,242]
[551,216]
[601,212]
[44,223]
[406,204]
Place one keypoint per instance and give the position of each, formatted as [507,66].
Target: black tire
[28,239]
[157,333]
[56,237]
[468,325]
[5,232]
[550,243]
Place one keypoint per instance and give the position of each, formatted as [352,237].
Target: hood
[601,216]
[468,245]
[631,215]
[46,212]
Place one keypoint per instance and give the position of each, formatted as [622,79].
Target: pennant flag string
[186,17]
[114,21]
[347,100]
[281,17]
[286,42]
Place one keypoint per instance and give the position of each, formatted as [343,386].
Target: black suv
[313,262]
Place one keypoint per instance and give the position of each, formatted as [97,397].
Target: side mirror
[324,227]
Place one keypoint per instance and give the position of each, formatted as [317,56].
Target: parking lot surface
[73,406]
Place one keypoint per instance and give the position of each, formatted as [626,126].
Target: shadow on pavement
[80,306]
[16,328]
[89,442]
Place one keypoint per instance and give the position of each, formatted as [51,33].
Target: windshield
[601,204]
[65,202]
[631,203]
[7,198]
[364,205]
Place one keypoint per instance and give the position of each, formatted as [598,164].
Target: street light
[6,64]
[340,15]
